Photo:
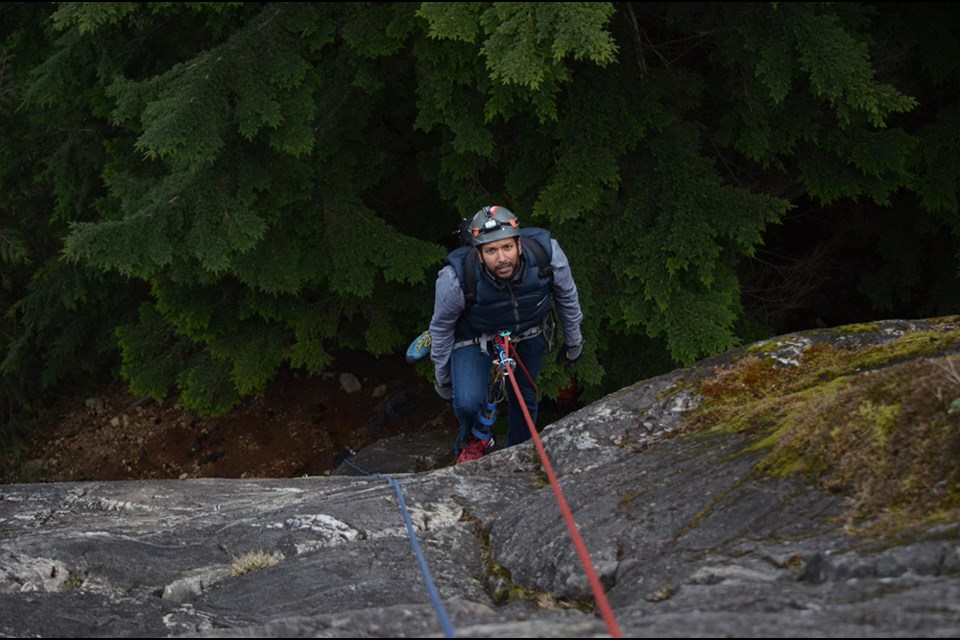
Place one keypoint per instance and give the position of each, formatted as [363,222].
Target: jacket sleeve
[448,304]
[565,296]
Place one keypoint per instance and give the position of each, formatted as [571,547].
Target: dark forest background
[197,196]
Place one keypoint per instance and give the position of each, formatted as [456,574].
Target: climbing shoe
[474,449]
[419,347]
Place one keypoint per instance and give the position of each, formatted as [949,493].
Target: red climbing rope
[598,594]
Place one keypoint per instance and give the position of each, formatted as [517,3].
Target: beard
[505,270]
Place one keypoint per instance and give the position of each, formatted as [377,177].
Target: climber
[503,281]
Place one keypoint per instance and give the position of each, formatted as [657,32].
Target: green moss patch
[878,424]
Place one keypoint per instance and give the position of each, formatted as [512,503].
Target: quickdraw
[506,364]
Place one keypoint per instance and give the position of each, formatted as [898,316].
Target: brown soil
[298,427]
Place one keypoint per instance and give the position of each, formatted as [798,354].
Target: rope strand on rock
[599,596]
[424,569]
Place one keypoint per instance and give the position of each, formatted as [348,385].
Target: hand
[572,353]
[445,391]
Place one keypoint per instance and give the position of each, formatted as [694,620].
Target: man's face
[501,257]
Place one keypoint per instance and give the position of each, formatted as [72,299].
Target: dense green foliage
[198,194]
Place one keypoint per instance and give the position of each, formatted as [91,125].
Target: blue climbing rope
[427,577]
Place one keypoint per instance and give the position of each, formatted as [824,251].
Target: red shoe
[474,449]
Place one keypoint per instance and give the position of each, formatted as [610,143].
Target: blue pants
[470,376]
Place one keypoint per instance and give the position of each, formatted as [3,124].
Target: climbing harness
[503,348]
[424,569]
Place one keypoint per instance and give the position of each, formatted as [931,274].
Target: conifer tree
[219,190]
[56,318]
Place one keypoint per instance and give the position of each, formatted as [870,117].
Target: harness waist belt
[487,338]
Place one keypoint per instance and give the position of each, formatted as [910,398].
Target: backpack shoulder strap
[546,269]
[470,278]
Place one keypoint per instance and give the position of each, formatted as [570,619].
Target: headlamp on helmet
[493,223]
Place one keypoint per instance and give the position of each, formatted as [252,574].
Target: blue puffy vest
[515,305]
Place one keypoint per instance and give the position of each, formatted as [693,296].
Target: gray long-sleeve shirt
[449,303]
